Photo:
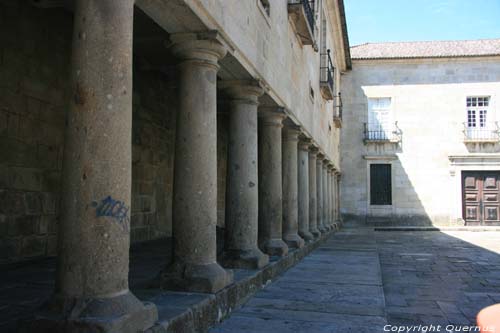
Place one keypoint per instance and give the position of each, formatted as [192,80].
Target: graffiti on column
[115,209]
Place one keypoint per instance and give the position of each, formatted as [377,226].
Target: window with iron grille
[380,184]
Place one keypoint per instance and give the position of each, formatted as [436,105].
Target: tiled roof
[435,49]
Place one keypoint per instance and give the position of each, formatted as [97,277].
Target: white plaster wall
[428,101]
[269,47]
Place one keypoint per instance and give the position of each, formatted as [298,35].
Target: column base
[208,278]
[316,233]
[246,259]
[306,236]
[294,241]
[322,229]
[124,313]
[275,247]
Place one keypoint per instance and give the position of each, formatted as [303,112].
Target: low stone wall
[212,309]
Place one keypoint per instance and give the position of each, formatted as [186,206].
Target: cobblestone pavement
[362,280]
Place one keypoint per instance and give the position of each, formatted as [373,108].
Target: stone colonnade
[280,187]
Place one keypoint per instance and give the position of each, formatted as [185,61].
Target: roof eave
[428,57]
[345,37]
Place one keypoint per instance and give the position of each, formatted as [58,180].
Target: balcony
[327,77]
[302,15]
[488,132]
[337,116]
[377,133]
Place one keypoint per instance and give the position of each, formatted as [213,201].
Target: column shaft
[94,231]
[313,220]
[329,195]
[270,184]
[195,265]
[324,179]
[319,194]
[290,188]
[337,185]
[303,190]
[241,248]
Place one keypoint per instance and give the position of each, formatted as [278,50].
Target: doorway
[481,197]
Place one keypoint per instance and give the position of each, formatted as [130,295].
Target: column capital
[272,116]
[243,91]
[304,143]
[205,47]
[291,133]
[313,150]
[320,158]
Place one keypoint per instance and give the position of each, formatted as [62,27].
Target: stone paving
[337,288]
[439,278]
[358,280]
[362,280]
[25,287]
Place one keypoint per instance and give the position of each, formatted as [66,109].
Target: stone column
[290,188]
[338,217]
[270,182]
[330,194]
[313,219]
[334,195]
[303,189]
[195,266]
[242,199]
[327,196]
[92,291]
[324,179]
[319,193]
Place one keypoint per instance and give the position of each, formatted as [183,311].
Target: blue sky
[412,20]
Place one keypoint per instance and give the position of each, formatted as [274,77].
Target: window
[380,184]
[478,124]
[379,119]
[477,111]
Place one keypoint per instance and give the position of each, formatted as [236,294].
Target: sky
[421,20]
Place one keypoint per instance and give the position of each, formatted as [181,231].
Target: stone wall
[34,56]
[428,102]
[35,47]
[153,139]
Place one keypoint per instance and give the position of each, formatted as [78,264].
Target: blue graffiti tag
[112,208]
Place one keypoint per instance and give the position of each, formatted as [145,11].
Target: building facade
[200,121]
[421,139]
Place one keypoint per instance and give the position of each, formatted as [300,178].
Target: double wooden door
[481,197]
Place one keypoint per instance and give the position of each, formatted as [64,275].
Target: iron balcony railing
[308,9]
[327,72]
[489,132]
[382,133]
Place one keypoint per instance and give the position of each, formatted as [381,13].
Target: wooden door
[481,197]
